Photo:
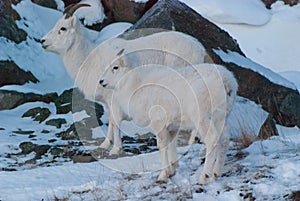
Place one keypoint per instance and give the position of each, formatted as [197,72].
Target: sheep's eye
[63,28]
[115,67]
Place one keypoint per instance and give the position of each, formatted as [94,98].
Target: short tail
[231,87]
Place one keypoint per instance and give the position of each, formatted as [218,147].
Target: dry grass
[247,137]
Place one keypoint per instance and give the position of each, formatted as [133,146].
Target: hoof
[163,176]
[171,171]
[203,179]
[105,145]
[161,181]
[115,151]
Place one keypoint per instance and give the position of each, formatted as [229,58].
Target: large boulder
[10,73]
[8,27]
[279,101]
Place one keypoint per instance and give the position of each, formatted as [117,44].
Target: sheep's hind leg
[210,156]
[162,144]
[173,153]
[221,154]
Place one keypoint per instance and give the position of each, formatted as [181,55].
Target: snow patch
[250,12]
[113,30]
[60,5]
[274,45]
[246,118]
[91,15]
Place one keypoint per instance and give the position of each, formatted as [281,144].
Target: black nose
[101,81]
[42,41]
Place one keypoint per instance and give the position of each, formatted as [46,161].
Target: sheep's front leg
[113,136]
[109,137]
[115,118]
[193,137]
[117,146]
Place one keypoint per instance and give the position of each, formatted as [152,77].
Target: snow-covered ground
[267,170]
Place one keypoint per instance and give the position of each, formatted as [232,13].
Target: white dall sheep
[166,100]
[86,63]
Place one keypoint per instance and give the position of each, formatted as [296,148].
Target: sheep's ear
[121,52]
[73,21]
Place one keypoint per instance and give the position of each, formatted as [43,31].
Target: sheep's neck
[76,55]
[127,87]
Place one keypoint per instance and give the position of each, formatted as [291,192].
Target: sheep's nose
[42,41]
[101,82]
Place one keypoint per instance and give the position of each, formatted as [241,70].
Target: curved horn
[69,11]
[69,7]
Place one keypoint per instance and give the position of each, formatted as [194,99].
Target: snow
[111,179]
[277,33]
[91,15]
[113,30]
[60,5]
[266,170]
[250,12]
[246,117]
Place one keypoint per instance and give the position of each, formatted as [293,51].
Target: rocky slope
[281,102]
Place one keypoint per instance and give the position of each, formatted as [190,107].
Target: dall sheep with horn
[85,61]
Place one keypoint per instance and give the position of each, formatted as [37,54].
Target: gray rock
[40,150]
[27,147]
[37,114]
[8,27]
[56,151]
[21,132]
[83,159]
[46,3]
[10,73]
[56,122]
[13,99]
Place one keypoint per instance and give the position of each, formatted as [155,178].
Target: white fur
[167,100]
[85,62]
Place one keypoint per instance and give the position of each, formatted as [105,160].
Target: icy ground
[266,170]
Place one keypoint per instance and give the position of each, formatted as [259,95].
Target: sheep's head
[114,73]
[64,33]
